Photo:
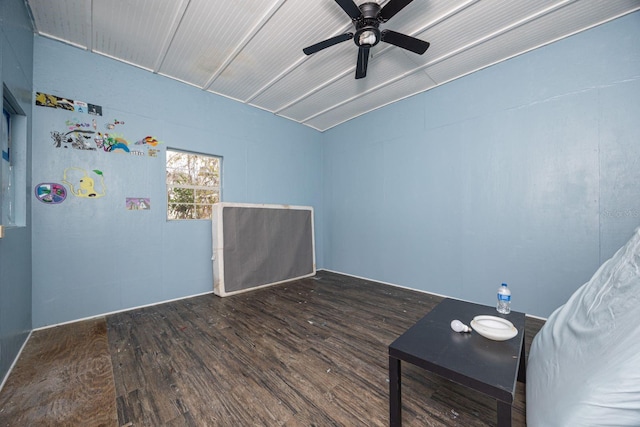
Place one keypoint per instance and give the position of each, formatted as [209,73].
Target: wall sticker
[50,193]
[85,184]
[138,203]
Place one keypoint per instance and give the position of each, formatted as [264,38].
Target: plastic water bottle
[504,300]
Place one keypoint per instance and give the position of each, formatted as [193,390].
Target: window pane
[180,211]
[204,211]
[207,197]
[181,195]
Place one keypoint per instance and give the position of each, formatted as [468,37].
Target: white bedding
[584,364]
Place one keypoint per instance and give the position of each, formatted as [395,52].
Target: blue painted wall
[525,172]
[16,72]
[92,256]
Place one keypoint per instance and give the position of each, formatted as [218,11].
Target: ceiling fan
[366,19]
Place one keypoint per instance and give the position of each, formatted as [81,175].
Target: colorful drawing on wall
[85,184]
[138,204]
[50,193]
[112,143]
[95,110]
[148,140]
[81,134]
[75,124]
[78,139]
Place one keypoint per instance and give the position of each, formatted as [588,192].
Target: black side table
[490,367]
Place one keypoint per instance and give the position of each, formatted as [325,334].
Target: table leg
[522,369]
[395,399]
[504,414]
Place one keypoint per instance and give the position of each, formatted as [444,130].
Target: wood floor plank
[63,377]
[313,352]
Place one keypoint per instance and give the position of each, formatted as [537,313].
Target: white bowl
[494,328]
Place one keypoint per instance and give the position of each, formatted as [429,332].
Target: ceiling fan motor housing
[367,32]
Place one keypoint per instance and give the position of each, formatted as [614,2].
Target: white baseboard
[15,360]
[120,311]
[413,289]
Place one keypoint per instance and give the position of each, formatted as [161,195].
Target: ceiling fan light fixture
[367,37]
[366,19]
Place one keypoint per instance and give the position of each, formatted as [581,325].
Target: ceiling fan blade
[404,41]
[327,43]
[391,8]
[363,60]
[350,7]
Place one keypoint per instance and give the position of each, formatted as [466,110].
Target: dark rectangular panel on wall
[258,245]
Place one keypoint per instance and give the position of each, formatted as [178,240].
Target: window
[193,184]
[7,179]
[13,162]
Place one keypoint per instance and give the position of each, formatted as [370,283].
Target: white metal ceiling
[251,50]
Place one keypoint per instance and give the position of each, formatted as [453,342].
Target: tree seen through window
[193,184]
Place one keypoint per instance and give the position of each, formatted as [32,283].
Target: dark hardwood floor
[307,353]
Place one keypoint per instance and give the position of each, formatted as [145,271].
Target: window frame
[170,186]
[17,152]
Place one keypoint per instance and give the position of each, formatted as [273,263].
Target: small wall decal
[148,140]
[80,106]
[84,182]
[112,125]
[138,203]
[50,193]
[95,110]
[46,100]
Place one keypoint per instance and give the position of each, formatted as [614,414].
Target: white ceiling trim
[65,41]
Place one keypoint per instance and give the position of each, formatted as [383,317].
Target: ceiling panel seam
[327,83]
[545,43]
[171,34]
[288,71]
[250,35]
[477,42]
[88,10]
[497,33]
[367,92]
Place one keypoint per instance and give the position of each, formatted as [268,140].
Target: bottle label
[505,298]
